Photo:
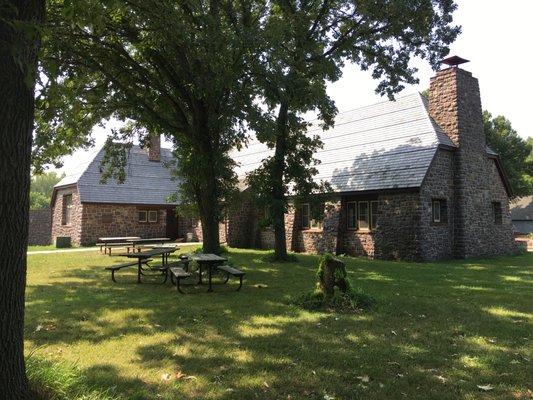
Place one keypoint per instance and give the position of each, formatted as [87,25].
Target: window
[373,215]
[304,210]
[308,222]
[143,216]
[152,216]
[497,211]
[363,217]
[439,211]
[351,215]
[67,209]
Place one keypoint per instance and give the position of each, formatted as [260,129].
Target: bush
[270,257]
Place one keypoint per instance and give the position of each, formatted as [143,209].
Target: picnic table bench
[115,268]
[232,271]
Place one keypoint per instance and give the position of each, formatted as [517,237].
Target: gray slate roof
[382,146]
[147,182]
[522,209]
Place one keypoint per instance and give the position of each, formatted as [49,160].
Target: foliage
[515,153]
[270,257]
[306,44]
[456,318]
[164,68]
[61,381]
[41,188]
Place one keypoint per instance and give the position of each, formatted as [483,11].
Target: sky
[496,38]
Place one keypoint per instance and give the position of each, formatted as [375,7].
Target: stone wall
[189,225]
[437,238]
[119,220]
[40,229]
[74,228]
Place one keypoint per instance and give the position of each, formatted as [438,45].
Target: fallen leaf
[265,385]
[485,388]
[441,378]
[191,377]
[364,378]
[39,327]
[394,333]
[165,377]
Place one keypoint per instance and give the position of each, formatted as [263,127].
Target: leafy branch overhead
[307,44]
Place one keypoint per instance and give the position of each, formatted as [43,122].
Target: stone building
[85,209]
[412,179]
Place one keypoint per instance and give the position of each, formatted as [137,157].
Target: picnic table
[135,242]
[211,261]
[114,241]
[142,256]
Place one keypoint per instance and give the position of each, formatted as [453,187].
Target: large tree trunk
[278,190]
[18,61]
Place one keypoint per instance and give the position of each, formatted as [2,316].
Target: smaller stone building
[85,209]
[522,215]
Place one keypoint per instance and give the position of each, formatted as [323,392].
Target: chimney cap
[454,61]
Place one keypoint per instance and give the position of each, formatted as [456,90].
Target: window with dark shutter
[304,212]
[351,215]
[363,218]
[142,216]
[67,209]
[497,211]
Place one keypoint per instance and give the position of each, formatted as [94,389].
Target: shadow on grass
[439,330]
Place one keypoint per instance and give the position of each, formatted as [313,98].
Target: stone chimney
[455,104]
[154,148]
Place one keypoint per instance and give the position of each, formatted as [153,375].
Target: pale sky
[496,36]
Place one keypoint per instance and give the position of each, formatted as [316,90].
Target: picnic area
[446,330]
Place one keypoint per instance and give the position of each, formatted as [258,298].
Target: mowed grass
[438,331]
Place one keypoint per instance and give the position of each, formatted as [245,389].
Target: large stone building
[84,208]
[412,179]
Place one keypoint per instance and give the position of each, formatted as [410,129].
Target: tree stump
[331,274]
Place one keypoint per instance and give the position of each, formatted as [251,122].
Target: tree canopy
[180,69]
[515,152]
[306,44]
[41,188]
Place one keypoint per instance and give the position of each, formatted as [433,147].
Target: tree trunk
[18,61]
[278,192]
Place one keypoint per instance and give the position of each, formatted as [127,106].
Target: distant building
[86,209]
[522,215]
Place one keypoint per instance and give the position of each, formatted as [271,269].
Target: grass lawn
[438,331]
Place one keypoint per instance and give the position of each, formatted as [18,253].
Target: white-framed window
[308,222]
[67,209]
[439,211]
[351,215]
[363,217]
[152,216]
[373,215]
[436,211]
[143,216]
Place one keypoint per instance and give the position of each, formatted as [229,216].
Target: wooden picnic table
[144,255]
[211,261]
[115,241]
[118,238]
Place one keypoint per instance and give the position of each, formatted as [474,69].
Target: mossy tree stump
[331,274]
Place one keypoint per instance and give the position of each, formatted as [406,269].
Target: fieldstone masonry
[40,227]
